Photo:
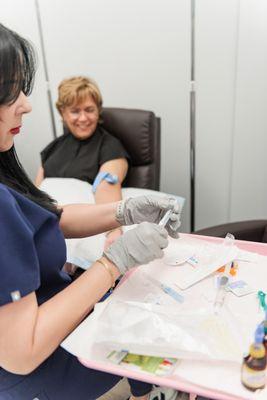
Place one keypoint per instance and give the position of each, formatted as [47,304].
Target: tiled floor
[120,392]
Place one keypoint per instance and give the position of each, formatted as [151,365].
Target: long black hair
[17,71]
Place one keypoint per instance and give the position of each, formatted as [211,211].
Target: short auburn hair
[75,90]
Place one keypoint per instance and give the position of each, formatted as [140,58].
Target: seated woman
[85,151]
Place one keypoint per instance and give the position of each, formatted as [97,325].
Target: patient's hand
[111,236]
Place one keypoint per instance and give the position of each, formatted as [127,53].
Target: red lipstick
[16,130]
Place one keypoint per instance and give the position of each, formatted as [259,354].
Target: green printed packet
[155,365]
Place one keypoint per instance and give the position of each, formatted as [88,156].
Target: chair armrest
[254,230]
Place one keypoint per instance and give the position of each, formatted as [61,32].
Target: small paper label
[117,356]
[15,296]
[160,366]
[240,288]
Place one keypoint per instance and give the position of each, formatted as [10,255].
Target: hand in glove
[149,208]
[138,246]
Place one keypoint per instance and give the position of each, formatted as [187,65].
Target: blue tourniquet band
[104,176]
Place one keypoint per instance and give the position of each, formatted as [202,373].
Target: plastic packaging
[221,293]
[156,330]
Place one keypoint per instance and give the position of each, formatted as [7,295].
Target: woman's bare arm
[39,177]
[81,220]
[29,334]
[107,192]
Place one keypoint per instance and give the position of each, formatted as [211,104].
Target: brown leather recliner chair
[254,230]
[139,132]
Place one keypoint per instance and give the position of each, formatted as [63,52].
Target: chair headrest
[135,129]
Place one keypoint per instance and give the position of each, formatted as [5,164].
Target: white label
[253,379]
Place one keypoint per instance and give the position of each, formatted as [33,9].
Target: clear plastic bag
[157,330]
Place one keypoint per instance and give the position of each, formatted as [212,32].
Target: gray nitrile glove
[138,246]
[149,208]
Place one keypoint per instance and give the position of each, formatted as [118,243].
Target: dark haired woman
[39,306]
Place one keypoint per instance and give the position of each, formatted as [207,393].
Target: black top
[69,157]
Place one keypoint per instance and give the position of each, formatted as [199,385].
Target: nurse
[39,305]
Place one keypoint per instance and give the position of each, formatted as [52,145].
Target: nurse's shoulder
[7,200]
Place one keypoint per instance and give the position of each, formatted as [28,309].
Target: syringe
[166,289]
[221,293]
[165,218]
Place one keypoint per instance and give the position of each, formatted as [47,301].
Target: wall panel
[20,15]
[248,193]
[216,46]
[139,53]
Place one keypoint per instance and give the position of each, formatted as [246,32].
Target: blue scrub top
[32,254]
[32,249]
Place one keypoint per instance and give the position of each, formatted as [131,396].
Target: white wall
[139,53]
[20,16]
[216,46]
[231,123]
[248,194]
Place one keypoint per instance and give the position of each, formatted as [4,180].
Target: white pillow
[82,252]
